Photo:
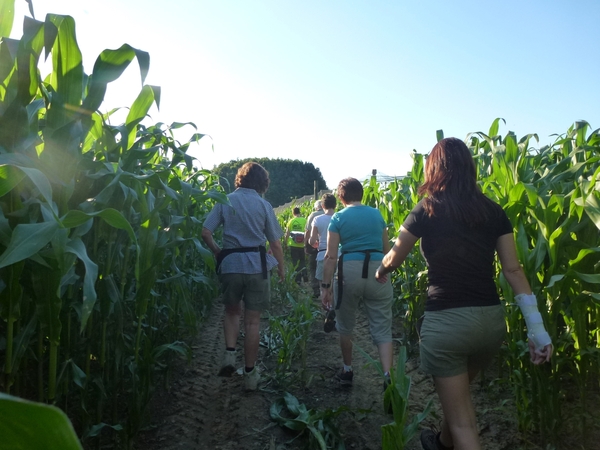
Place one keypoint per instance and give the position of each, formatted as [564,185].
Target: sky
[348,86]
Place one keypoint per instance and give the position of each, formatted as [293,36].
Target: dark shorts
[253,289]
[454,340]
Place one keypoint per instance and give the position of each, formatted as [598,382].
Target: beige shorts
[454,340]
[376,298]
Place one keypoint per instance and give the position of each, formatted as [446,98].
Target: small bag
[309,249]
[297,237]
[329,324]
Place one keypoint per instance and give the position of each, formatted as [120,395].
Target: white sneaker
[251,379]
[228,363]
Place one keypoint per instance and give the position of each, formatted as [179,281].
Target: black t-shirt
[460,258]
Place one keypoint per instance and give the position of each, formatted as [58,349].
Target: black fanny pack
[261,249]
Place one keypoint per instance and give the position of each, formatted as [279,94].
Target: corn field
[102,278]
[101,274]
[552,197]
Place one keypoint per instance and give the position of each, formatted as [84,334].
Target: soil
[203,411]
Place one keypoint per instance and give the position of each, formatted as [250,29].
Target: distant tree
[289,178]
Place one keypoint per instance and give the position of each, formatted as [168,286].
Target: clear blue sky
[349,86]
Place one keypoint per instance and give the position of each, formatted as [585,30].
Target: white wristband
[533,319]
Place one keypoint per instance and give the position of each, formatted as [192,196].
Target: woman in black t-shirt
[461,230]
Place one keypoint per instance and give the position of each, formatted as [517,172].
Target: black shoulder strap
[340,274]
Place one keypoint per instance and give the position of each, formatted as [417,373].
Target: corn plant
[287,336]
[101,275]
[552,197]
[33,425]
[397,434]
[289,413]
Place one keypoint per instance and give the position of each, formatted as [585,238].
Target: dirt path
[203,411]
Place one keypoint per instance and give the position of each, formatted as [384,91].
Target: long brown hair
[451,184]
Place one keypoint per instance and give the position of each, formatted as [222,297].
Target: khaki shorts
[376,298]
[253,289]
[454,340]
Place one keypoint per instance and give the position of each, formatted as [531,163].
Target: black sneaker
[430,440]
[345,378]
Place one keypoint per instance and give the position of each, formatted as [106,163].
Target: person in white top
[318,233]
[311,252]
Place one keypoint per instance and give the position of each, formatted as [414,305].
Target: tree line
[289,178]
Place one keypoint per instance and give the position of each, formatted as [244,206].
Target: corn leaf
[27,240]
[77,247]
[35,426]
[7,17]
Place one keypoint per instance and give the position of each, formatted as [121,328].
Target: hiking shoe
[251,379]
[227,364]
[345,378]
[430,440]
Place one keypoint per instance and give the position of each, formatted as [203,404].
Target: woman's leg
[446,436]
[459,414]
[386,355]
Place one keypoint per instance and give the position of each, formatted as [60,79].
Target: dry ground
[204,411]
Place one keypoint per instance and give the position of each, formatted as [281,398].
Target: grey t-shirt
[249,222]
[310,219]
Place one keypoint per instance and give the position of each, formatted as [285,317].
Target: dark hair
[296,210]
[328,201]
[350,190]
[252,176]
[451,184]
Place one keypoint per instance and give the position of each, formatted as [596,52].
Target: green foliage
[396,435]
[35,426]
[289,178]
[288,333]
[288,412]
[552,197]
[101,275]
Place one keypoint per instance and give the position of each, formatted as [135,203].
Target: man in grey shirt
[243,263]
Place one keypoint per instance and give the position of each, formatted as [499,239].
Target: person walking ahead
[295,239]
[310,251]
[318,234]
[362,233]
[243,263]
[460,231]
